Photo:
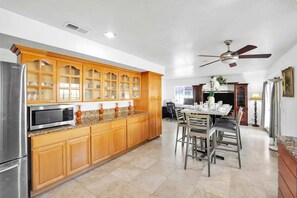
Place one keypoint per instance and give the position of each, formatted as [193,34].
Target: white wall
[25,28]
[255,80]
[7,56]
[288,104]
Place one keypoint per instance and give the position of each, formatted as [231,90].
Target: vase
[211,100]
[101,110]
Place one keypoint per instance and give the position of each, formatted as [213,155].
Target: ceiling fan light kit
[231,57]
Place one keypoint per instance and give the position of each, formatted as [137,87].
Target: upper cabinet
[125,85]
[136,86]
[53,78]
[41,78]
[69,81]
[92,83]
[111,79]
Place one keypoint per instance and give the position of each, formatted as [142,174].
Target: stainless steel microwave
[40,117]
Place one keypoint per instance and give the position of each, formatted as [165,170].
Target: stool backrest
[170,107]
[198,121]
[239,116]
[179,115]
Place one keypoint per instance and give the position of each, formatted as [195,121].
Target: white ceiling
[172,32]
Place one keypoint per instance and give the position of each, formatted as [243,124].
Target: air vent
[77,28]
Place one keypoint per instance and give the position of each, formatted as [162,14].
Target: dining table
[212,110]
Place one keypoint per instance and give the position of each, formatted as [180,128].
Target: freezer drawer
[14,179]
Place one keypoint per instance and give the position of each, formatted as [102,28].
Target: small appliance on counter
[45,116]
[13,131]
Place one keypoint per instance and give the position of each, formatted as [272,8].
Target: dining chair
[232,120]
[171,109]
[229,130]
[181,122]
[199,126]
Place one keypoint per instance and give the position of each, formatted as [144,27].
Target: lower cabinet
[100,146]
[48,165]
[118,139]
[78,154]
[137,130]
[57,155]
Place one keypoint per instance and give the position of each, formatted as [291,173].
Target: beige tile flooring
[153,170]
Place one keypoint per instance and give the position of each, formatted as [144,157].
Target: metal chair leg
[176,139]
[208,156]
[238,149]
[239,137]
[187,147]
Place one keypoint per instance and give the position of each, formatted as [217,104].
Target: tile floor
[153,170]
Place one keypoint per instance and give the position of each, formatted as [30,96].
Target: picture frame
[288,82]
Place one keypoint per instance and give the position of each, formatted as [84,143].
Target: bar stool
[181,122]
[200,127]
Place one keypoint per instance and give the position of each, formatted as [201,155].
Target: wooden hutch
[238,92]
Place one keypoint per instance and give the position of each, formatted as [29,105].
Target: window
[182,92]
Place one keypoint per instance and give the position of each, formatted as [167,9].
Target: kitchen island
[60,153]
[287,166]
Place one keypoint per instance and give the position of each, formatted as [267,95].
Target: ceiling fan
[231,57]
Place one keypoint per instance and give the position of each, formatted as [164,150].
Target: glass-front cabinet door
[136,81]
[125,86]
[69,81]
[110,84]
[41,78]
[92,83]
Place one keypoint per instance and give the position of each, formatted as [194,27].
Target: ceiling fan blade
[232,64]
[208,56]
[209,63]
[245,49]
[255,56]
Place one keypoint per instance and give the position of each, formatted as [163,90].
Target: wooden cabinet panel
[158,118]
[152,118]
[288,159]
[48,165]
[136,86]
[287,175]
[283,187]
[78,154]
[100,146]
[118,140]
[144,128]
[125,81]
[241,100]
[111,84]
[133,134]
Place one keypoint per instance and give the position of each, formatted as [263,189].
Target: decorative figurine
[101,110]
[116,108]
[129,107]
[78,113]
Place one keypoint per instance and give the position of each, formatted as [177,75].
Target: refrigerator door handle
[4,169]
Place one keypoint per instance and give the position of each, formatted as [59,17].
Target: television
[226,97]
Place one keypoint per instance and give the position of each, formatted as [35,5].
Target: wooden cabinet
[54,78]
[92,83]
[198,93]
[57,155]
[125,85]
[69,81]
[111,80]
[136,86]
[287,173]
[137,130]
[108,139]
[78,154]
[151,92]
[241,100]
[48,165]
[41,78]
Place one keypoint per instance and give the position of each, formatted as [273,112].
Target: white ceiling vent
[77,28]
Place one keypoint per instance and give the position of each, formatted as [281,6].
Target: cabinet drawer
[118,123]
[100,127]
[283,187]
[137,119]
[287,175]
[47,139]
[288,159]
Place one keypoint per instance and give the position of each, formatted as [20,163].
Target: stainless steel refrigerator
[13,131]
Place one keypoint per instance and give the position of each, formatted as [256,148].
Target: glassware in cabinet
[92,83]
[110,85]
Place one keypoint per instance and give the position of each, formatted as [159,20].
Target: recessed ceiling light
[110,35]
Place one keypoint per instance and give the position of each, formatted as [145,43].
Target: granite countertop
[87,122]
[290,143]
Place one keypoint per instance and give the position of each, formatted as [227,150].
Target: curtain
[274,129]
[263,113]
